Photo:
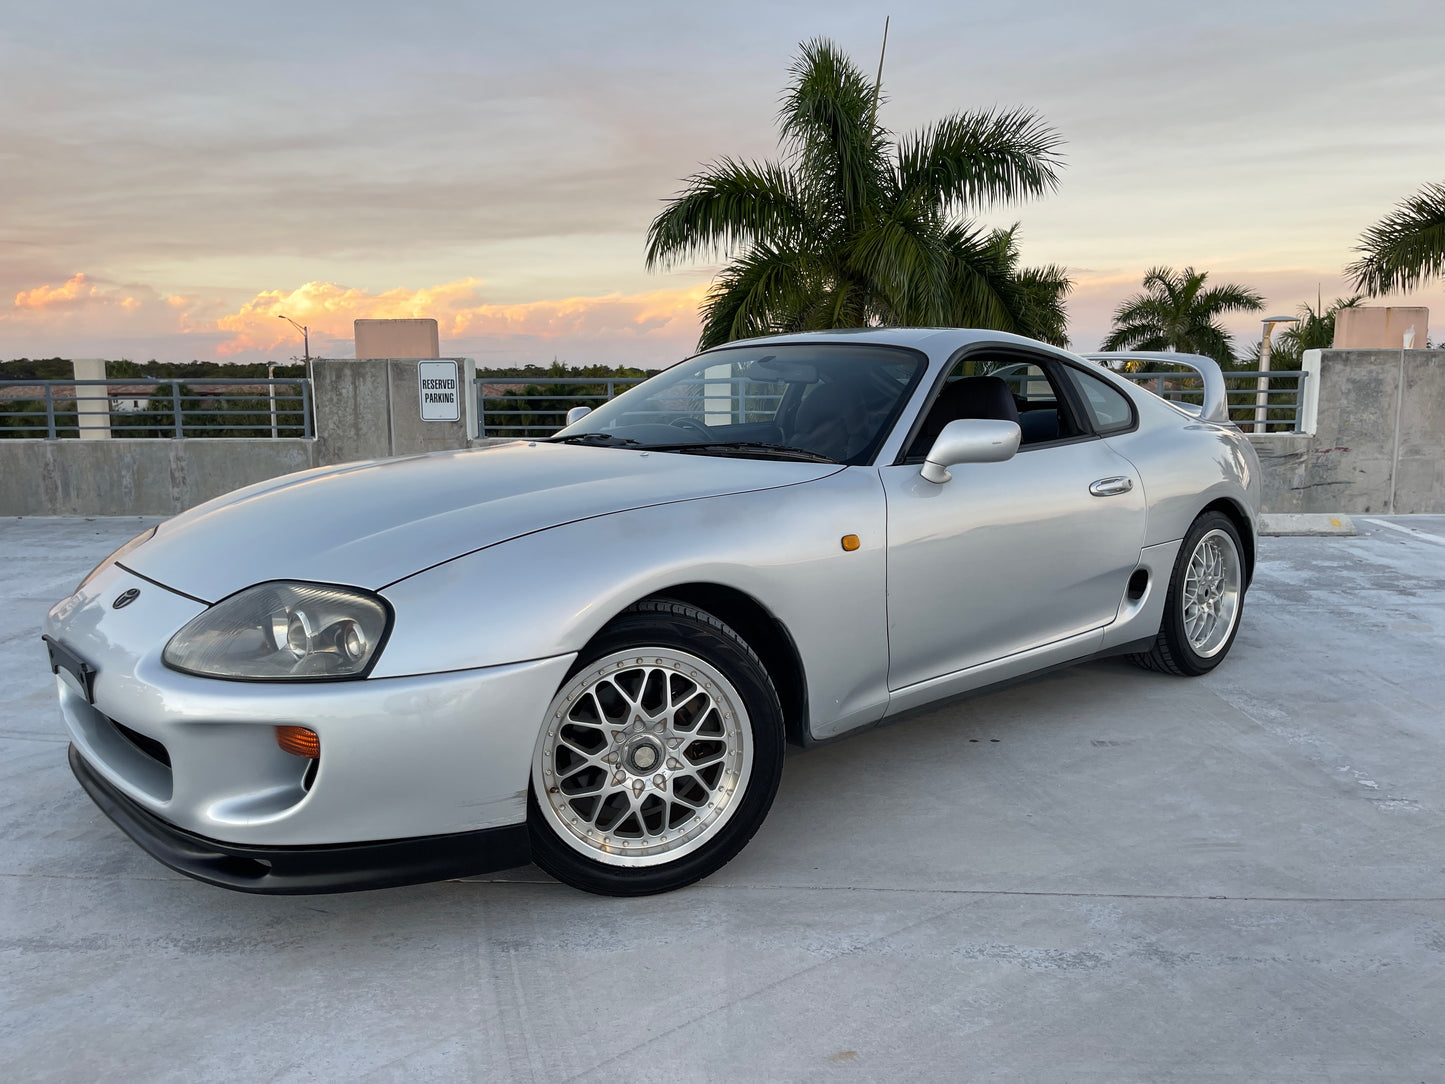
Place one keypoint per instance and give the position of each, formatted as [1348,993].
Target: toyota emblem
[125,598]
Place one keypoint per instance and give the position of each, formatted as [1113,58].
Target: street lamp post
[1261,392]
[305,352]
[305,337]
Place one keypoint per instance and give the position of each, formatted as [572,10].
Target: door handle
[1109,487]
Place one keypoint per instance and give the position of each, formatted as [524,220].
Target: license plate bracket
[62,658]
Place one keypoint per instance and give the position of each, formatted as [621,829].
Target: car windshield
[823,402]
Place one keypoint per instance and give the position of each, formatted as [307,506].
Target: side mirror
[577,413]
[971,440]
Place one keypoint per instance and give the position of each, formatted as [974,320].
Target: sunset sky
[174,175]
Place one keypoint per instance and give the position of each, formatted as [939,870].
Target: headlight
[283,632]
[139,540]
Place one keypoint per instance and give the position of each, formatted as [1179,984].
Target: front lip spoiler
[292,871]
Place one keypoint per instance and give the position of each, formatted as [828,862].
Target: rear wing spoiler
[1216,404]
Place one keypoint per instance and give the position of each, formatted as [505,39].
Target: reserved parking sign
[440,391]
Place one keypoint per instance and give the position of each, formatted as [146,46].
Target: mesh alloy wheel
[658,757]
[1204,602]
[1211,593]
[645,757]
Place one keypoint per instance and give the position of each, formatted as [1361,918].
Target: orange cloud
[661,323]
[328,310]
[77,291]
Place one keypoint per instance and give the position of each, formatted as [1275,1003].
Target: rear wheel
[659,755]
[1206,598]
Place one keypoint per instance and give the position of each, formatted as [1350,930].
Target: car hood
[370,524]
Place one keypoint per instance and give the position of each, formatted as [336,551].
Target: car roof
[931,340]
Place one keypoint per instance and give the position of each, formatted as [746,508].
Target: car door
[1009,556]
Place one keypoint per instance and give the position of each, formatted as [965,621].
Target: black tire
[661,625]
[1172,652]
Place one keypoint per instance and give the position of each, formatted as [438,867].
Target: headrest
[979,397]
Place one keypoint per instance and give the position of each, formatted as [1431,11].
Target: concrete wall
[1378,440]
[364,410]
[135,477]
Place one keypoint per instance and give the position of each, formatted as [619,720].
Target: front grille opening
[149,746]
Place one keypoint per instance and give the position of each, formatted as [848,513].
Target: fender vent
[1138,584]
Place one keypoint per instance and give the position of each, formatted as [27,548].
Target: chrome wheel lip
[1211,593]
[725,797]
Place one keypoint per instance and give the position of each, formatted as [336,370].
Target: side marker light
[299,740]
[850,542]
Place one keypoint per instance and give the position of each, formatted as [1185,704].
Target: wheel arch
[764,633]
[1243,524]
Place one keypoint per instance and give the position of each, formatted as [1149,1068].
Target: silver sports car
[589,651]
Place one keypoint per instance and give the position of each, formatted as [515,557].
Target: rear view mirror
[577,413]
[971,440]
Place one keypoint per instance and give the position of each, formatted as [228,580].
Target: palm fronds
[729,206]
[1405,248]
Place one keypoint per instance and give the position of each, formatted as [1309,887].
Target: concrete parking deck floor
[1102,874]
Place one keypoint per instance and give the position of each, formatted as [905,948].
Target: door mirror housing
[970,440]
[577,413]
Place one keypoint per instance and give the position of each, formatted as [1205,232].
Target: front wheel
[659,755]
[1206,597]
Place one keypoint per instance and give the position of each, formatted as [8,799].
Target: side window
[1029,384]
[1109,409]
[1001,386]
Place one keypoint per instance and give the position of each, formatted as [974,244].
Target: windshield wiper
[745,447]
[601,440]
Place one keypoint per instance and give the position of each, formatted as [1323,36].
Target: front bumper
[196,763]
[345,867]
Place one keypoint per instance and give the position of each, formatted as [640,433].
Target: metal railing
[173,408]
[519,414]
[1266,402]
[523,413]
[1262,402]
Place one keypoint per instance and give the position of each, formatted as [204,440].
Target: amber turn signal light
[300,740]
[850,542]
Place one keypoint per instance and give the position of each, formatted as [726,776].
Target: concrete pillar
[1419,482]
[371,408]
[1372,436]
[1309,393]
[92,402]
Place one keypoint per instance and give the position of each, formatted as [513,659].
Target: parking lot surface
[1100,874]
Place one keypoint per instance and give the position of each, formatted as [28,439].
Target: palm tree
[1405,248]
[852,229]
[1314,331]
[1176,312]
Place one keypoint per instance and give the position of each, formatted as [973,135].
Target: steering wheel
[696,426]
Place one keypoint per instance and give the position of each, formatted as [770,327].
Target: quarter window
[1109,409]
